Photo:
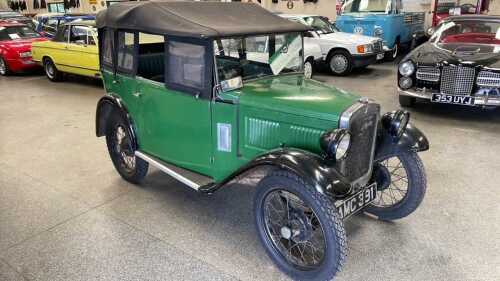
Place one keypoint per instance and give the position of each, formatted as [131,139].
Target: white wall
[3,4]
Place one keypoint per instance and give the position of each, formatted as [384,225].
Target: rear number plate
[357,202]
[443,98]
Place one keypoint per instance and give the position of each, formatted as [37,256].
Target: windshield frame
[436,38]
[331,26]
[217,77]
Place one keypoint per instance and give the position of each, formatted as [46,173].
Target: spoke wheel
[294,229]
[401,184]
[299,227]
[122,151]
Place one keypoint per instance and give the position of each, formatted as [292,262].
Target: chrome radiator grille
[428,73]
[363,127]
[457,80]
[488,79]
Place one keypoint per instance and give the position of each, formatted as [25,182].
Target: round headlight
[336,143]
[405,83]
[407,68]
[378,32]
[396,122]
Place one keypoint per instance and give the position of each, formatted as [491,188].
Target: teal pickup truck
[385,19]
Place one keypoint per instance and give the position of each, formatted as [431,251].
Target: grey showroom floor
[65,214]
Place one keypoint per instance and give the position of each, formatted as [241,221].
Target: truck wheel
[406,101]
[121,151]
[299,227]
[394,53]
[4,67]
[401,184]
[340,63]
[308,68]
[51,71]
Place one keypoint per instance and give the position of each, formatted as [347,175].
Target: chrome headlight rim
[407,68]
[336,144]
[378,31]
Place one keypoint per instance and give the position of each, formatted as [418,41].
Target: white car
[341,51]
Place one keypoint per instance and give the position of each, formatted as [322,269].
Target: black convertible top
[195,19]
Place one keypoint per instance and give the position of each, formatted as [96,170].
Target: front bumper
[365,60]
[423,94]
[22,64]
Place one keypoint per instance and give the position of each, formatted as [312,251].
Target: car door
[176,111]
[80,55]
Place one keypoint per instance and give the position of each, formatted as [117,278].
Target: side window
[151,59]
[126,51]
[78,35]
[65,34]
[108,47]
[186,65]
[90,38]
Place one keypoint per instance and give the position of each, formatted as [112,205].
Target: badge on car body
[358,30]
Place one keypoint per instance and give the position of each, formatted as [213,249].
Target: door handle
[137,94]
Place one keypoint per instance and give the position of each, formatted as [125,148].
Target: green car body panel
[267,113]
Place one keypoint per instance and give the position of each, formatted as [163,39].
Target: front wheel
[308,69]
[51,71]
[4,67]
[299,227]
[401,184]
[340,63]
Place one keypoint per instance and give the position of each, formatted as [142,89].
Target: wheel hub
[382,177]
[300,226]
[286,232]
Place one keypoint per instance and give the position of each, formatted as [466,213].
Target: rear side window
[125,61]
[107,48]
[186,65]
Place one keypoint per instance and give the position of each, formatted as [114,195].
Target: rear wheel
[401,184]
[4,67]
[122,152]
[299,227]
[407,101]
[308,69]
[51,71]
[340,63]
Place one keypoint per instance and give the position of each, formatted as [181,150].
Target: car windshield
[367,6]
[468,32]
[258,56]
[17,32]
[320,25]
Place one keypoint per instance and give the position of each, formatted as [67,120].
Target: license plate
[357,202]
[443,98]
[380,56]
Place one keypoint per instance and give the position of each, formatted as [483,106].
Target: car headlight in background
[378,32]
[364,49]
[396,123]
[336,143]
[407,68]
[25,54]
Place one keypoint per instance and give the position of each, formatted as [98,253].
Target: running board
[191,179]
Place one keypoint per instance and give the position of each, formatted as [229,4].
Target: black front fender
[413,140]
[312,168]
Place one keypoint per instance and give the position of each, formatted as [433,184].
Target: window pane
[186,64]
[126,50]
[151,60]
[78,35]
[107,47]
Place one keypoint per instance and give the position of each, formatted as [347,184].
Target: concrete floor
[65,214]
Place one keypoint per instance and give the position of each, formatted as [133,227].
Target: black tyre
[122,152]
[340,62]
[401,183]
[394,53]
[51,71]
[406,101]
[309,68]
[299,227]
[4,67]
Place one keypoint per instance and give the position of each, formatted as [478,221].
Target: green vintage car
[191,91]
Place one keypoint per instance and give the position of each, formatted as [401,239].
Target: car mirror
[231,84]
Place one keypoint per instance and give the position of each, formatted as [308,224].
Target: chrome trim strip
[345,117]
[417,94]
[167,170]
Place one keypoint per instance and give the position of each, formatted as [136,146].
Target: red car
[15,47]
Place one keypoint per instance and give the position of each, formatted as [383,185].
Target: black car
[459,65]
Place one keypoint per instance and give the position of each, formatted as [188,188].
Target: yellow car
[72,50]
